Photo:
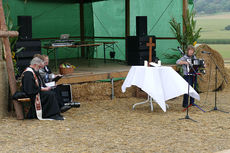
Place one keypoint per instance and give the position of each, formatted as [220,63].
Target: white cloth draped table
[160,83]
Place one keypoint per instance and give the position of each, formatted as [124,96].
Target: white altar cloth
[160,83]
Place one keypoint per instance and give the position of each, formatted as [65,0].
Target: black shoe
[73,104]
[65,108]
[57,117]
[193,104]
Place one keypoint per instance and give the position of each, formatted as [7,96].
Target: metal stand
[108,45]
[194,105]
[112,94]
[148,100]
[187,116]
[215,107]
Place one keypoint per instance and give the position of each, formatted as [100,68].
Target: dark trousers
[192,80]
[57,90]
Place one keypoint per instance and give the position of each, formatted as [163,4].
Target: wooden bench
[22,101]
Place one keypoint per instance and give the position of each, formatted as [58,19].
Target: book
[50,84]
[57,78]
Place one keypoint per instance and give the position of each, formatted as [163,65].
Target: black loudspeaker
[138,51]
[25,27]
[141,25]
[30,48]
[66,92]
[25,55]
[138,43]
[138,58]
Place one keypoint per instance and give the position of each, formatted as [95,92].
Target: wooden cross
[150,44]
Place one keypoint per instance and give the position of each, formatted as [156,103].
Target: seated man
[47,76]
[44,102]
[45,72]
[61,105]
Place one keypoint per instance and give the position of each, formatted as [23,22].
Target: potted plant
[189,35]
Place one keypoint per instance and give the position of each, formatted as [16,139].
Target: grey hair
[191,47]
[36,61]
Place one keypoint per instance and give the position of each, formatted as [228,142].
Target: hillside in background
[211,6]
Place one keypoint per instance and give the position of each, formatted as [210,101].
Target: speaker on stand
[25,27]
[26,54]
[136,47]
[141,26]
[30,46]
[137,51]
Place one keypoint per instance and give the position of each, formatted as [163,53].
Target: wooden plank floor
[94,70]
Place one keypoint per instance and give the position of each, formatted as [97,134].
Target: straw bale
[141,94]
[99,91]
[206,82]
[226,86]
[91,91]
[130,92]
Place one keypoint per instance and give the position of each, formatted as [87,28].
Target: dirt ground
[113,126]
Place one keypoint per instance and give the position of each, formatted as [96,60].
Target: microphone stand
[217,68]
[195,73]
[187,115]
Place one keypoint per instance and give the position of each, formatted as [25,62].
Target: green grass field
[213,28]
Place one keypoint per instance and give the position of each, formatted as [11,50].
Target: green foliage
[190,35]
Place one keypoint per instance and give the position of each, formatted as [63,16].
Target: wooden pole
[8,33]
[127,24]
[185,8]
[82,26]
[9,64]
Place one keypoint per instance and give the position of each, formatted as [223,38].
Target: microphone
[180,50]
[205,52]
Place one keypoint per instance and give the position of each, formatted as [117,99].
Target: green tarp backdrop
[104,18]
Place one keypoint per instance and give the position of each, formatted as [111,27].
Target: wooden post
[150,44]
[185,8]
[127,24]
[8,33]
[82,26]
[9,64]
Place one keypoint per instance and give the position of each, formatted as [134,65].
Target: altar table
[160,83]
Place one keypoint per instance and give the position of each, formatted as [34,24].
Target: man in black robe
[46,76]
[44,102]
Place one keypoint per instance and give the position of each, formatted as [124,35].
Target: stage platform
[93,70]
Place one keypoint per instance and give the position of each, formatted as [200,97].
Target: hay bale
[226,86]
[206,82]
[94,91]
[130,92]
[141,94]
[91,91]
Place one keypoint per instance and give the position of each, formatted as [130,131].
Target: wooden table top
[73,46]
